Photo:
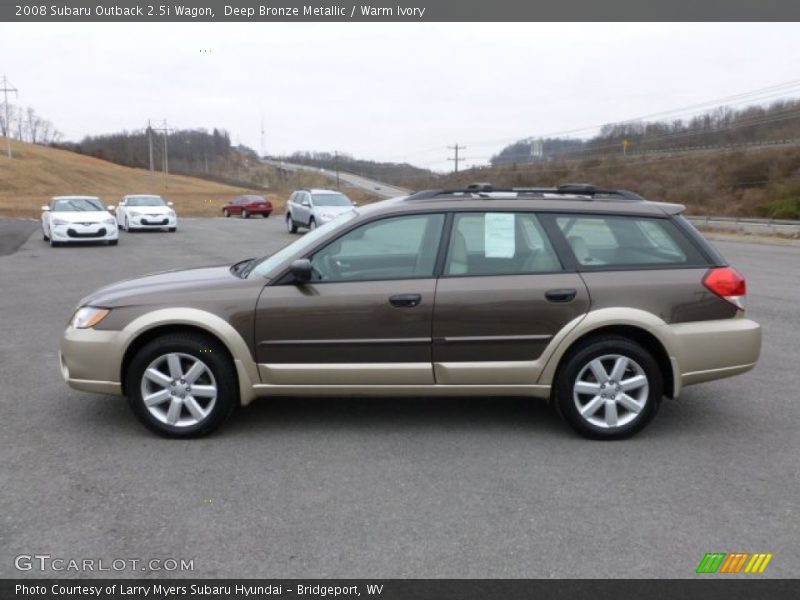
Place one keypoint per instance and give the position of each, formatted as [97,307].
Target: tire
[54,244]
[265,215]
[44,236]
[113,242]
[225,213]
[173,229]
[245,214]
[312,224]
[598,409]
[291,226]
[217,375]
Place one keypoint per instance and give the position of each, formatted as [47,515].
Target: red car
[248,205]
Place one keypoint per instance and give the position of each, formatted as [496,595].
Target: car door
[502,297]
[303,208]
[365,317]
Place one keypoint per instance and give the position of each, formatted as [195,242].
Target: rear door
[366,316]
[501,298]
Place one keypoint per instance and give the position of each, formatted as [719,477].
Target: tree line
[26,125]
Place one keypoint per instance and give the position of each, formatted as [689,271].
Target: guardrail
[748,225]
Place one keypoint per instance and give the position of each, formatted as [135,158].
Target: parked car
[248,205]
[78,219]
[146,211]
[310,208]
[596,300]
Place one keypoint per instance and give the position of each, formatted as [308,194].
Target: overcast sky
[384,91]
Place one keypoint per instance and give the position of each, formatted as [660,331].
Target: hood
[333,210]
[154,288]
[83,216]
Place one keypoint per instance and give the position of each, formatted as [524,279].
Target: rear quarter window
[615,241]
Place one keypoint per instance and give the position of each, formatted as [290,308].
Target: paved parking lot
[385,487]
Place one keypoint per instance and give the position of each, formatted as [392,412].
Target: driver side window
[394,248]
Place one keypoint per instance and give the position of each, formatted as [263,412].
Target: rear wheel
[182,385]
[608,388]
[312,224]
[291,226]
[245,214]
[226,213]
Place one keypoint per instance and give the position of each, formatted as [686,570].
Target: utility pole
[456,148]
[7,87]
[150,144]
[165,130]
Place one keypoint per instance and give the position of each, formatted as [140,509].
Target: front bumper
[91,360]
[75,232]
[153,222]
[707,350]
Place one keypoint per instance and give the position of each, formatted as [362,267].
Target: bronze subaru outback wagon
[597,300]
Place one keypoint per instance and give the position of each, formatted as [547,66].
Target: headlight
[88,316]
[110,220]
[60,222]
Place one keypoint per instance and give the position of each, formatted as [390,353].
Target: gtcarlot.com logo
[46,562]
[734,563]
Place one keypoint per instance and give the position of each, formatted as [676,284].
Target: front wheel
[245,214]
[608,388]
[312,224]
[226,213]
[182,385]
[291,227]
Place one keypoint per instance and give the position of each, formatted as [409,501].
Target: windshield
[268,264]
[145,201]
[254,199]
[77,205]
[331,200]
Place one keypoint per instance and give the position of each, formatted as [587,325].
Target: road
[477,487]
[377,188]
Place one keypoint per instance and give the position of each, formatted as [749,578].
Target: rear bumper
[707,350]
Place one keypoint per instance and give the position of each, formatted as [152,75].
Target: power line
[7,87]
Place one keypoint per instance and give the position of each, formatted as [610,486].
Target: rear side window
[501,243]
[609,241]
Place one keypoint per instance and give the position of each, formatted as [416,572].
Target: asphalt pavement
[443,487]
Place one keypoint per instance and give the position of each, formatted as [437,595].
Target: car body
[313,207]
[146,211]
[70,219]
[598,301]
[248,205]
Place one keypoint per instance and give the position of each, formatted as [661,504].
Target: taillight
[727,283]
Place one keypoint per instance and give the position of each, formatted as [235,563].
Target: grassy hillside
[761,182]
[36,173]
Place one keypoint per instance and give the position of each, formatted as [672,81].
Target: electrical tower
[7,87]
[165,130]
[456,148]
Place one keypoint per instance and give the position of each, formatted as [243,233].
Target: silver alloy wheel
[610,391]
[179,389]
[312,224]
[289,223]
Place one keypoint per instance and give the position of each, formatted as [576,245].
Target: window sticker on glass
[499,235]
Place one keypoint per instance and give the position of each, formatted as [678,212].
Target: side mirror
[354,203]
[305,203]
[110,207]
[45,208]
[301,269]
[170,204]
[122,203]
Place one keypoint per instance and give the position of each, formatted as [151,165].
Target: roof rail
[486,190]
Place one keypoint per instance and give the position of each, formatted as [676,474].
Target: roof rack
[584,191]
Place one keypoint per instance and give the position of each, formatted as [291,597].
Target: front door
[502,297]
[366,316]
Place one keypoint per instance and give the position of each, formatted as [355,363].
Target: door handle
[405,300]
[561,295]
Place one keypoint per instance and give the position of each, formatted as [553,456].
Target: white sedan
[78,219]
[144,211]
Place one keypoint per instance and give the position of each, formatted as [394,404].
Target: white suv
[145,211]
[310,208]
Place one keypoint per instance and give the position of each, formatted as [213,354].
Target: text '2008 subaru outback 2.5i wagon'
[597,300]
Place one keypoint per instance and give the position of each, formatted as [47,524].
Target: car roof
[142,196]
[323,191]
[75,198]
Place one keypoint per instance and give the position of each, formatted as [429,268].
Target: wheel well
[645,339]
[151,334]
